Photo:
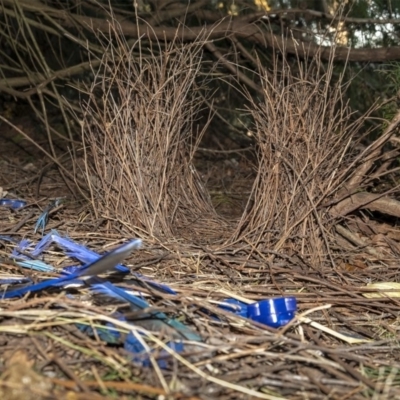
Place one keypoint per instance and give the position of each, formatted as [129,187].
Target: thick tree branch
[242,27]
[370,201]
[336,18]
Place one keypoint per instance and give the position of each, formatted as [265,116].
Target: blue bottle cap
[14,204]
[273,312]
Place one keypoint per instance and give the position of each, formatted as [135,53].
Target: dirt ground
[44,356]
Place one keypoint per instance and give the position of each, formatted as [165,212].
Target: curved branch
[370,201]
[243,27]
[334,18]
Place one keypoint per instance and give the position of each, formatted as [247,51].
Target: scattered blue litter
[151,320]
[12,203]
[143,314]
[20,255]
[100,266]
[72,249]
[271,312]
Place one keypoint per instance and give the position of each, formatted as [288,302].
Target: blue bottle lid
[272,312]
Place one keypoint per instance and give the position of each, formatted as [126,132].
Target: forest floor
[343,344]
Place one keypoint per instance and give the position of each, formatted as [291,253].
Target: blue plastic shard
[141,356]
[44,216]
[81,253]
[109,260]
[43,244]
[7,238]
[20,255]
[12,203]
[36,265]
[107,333]
[159,286]
[13,281]
[151,320]
[23,245]
[103,264]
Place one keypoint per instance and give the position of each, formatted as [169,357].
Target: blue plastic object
[235,306]
[141,356]
[11,203]
[101,265]
[108,333]
[149,319]
[44,216]
[272,312]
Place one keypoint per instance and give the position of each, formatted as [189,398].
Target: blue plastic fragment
[272,312]
[235,306]
[36,265]
[44,216]
[72,249]
[14,281]
[151,320]
[21,256]
[43,244]
[7,238]
[11,203]
[141,356]
[158,286]
[23,245]
[107,333]
[110,336]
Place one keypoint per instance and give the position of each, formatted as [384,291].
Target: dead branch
[370,201]
[243,27]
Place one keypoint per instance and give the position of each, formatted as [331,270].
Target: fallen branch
[243,27]
[370,201]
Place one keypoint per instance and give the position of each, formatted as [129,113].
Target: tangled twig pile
[302,132]
[138,132]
